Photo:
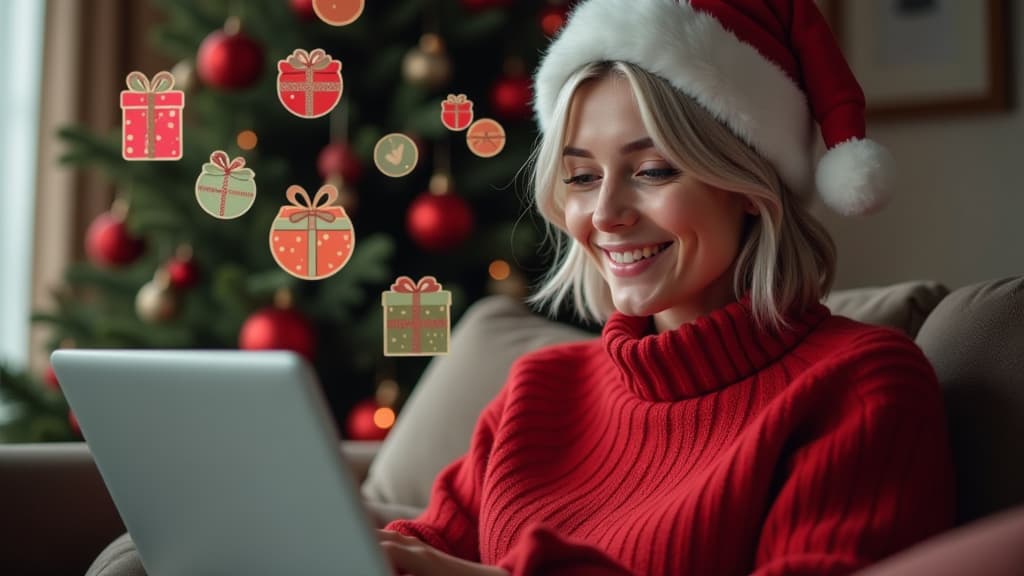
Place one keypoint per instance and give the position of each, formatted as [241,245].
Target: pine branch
[40,414]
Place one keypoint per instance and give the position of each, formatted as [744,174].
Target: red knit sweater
[711,449]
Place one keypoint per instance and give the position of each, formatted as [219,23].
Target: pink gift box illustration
[151,118]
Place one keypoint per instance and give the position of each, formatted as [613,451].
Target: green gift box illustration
[226,188]
[417,318]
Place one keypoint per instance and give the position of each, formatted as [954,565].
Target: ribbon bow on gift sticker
[405,284]
[226,189]
[138,82]
[312,239]
[417,317]
[151,117]
[325,196]
[314,77]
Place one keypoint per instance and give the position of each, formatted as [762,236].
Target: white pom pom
[853,177]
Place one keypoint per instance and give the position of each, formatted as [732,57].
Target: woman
[725,422]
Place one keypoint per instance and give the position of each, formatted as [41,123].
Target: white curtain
[21,44]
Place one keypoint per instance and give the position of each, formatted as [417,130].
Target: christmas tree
[166,272]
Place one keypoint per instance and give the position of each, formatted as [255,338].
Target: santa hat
[765,68]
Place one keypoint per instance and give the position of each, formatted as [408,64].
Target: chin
[636,307]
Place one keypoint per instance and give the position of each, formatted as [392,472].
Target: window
[21,47]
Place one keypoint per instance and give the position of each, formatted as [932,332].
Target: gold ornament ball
[427,65]
[156,301]
[184,75]
[387,392]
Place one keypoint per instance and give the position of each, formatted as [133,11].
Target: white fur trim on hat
[853,177]
[750,94]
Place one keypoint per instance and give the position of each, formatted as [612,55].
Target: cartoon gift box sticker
[417,318]
[309,84]
[312,239]
[226,188]
[151,118]
[456,112]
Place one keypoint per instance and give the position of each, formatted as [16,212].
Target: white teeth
[635,255]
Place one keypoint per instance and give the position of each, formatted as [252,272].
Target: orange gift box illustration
[311,239]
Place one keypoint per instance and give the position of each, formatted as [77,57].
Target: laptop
[221,462]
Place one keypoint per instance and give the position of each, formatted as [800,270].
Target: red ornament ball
[338,158]
[439,222]
[303,9]
[511,97]
[50,379]
[229,61]
[73,422]
[109,244]
[183,274]
[277,329]
[552,18]
[369,421]
[477,5]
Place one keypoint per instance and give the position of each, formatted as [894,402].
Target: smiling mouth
[637,255]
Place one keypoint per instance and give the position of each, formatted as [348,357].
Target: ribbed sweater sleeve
[542,552]
[873,476]
[450,522]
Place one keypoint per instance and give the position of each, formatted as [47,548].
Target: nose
[614,207]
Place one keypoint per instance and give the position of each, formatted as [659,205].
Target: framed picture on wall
[925,57]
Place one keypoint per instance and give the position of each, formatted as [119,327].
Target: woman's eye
[659,173]
[580,179]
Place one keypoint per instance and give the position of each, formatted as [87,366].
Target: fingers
[392,536]
[408,555]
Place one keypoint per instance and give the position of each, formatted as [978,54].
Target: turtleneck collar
[708,354]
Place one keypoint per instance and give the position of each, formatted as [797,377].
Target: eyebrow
[636,145]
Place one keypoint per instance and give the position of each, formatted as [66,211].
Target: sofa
[57,518]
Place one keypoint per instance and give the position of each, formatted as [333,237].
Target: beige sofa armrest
[360,454]
[56,513]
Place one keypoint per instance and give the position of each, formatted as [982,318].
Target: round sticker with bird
[395,155]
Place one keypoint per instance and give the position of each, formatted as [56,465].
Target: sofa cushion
[902,306]
[120,558]
[975,341]
[438,418]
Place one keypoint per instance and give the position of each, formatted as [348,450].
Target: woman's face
[664,241]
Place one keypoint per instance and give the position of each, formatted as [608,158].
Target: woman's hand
[410,555]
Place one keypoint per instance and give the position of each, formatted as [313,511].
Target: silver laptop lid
[221,462]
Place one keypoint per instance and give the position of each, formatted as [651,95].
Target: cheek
[577,222]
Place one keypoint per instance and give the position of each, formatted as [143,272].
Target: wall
[958,214]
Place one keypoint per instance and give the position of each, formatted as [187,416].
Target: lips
[630,260]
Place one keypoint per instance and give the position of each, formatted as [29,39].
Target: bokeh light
[499,270]
[247,140]
[384,418]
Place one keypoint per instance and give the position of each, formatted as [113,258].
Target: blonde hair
[787,257]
